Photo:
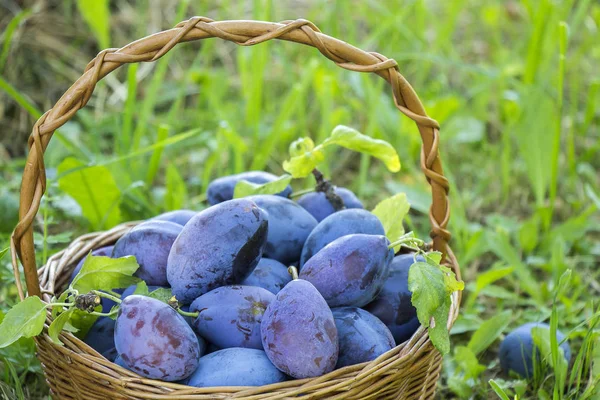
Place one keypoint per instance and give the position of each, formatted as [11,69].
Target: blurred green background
[514,85]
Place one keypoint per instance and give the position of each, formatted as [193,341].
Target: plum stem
[106,295]
[407,240]
[301,192]
[108,314]
[293,271]
[325,186]
[188,314]
[50,305]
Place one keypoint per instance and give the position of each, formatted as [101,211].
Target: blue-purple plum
[180,217]
[393,305]
[218,246]
[269,274]
[289,226]
[342,223]
[102,251]
[235,367]
[119,361]
[154,340]
[222,189]
[351,270]
[318,206]
[518,348]
[150,242]
[298,331]
[100,337]
[362,336]
[230,316]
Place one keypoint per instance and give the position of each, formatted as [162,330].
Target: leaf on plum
[244,188]
[431,285]
[391,213]
[105,273]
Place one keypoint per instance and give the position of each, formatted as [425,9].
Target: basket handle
[243,33]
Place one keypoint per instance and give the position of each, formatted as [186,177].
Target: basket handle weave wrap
[243,33]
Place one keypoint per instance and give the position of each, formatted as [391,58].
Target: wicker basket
[76,371]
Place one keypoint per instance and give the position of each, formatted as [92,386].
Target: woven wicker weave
[76,371]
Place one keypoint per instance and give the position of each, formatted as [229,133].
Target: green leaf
[354,140]
[81,322]
[94,189]
[301,146]
[301,166]
[244,188]
[58,324]
[96,14]
[499,391]
[25,319]
[162,294]
[467,361]
[431,285]
[105,273]
[176,191]
[3,252]
[489,331]
[391,213]
[141,288]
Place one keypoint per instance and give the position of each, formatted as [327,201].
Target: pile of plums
[258,324]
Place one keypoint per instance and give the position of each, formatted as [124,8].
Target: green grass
[513,84]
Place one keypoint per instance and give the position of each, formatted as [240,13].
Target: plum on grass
[218,246]
[362,336]
[180,217]
[517,349]
[393,305]
[154,341]
[289,226]
[342,223]
[230,316]
[150,242]
[222,189]
[298,331]
[351,270]
[319,207]
[269,274]
[100,337]
[235,367]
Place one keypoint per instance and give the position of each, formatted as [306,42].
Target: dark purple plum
[269,274]
[342,223]
[230,316]
[222,189]
[150,242]
[154,341]
[518,348]
[180,217]
[351,270]
[218,246]
[362,336]
[393,305]
[298,331]
[100,337]
[102,251]
[289,226]
[319,207]
[235,367]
